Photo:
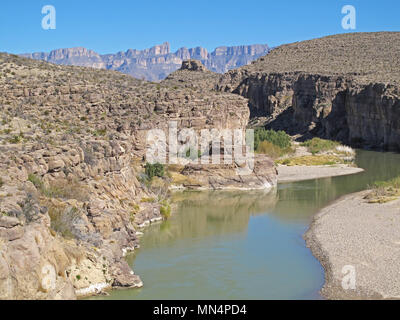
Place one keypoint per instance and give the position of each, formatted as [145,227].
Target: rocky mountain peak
[193,65]
[157,62]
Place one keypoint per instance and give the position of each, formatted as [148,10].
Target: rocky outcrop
[73,195]
[343,87]
[193,65]
[227,176]
[156,63]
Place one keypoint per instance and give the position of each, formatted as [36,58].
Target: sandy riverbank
[299,173]
[352,232]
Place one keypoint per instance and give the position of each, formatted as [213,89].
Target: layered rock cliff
[343,87]
[72,195]
[157,62]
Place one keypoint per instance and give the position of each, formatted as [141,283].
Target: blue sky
[111,26]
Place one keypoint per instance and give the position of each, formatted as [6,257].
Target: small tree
[154,170]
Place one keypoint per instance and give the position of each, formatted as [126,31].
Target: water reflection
[244,245]
[204,214]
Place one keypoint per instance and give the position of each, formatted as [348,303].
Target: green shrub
[37,182]
[278,138]
[100,132]
[1,182]
[15,139]
[165,211]
[317,145]
[270,149]
[154,170]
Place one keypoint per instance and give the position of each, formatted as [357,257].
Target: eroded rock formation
[72,195]
[342,87]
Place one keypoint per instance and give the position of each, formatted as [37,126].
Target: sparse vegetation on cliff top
[352,54]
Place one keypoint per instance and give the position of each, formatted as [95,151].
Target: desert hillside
[369,57]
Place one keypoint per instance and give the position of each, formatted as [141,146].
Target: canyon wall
[312,93]
[74,196]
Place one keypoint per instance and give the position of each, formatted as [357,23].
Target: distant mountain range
[155,63]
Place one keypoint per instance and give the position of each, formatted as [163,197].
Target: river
[244,245]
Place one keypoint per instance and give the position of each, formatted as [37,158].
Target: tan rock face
[72,147]
[343,87]
[229,176]
[35,258]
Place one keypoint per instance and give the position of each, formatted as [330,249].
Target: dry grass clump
[179,179]
[384,191]
[313,160]
[317,145]
[63,220]
[63,188]
[268,148]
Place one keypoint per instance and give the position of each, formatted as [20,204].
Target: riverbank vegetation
[314,152]
[317,145]
[384,191]
[272,143]
[311,160]
[317,152]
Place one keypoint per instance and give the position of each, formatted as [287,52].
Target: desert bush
[154,170]
[159,187]
[270,149]
[65,189]
[37,182]
[393,183]
[15,139]
[165,210]
[63,220]
[278,138]
[317,145]
[384,191]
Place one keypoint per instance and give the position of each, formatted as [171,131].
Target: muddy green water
[244,245]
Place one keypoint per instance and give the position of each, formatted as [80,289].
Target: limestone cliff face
[73,197]
[373,115]
[332,107]
[350,100]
